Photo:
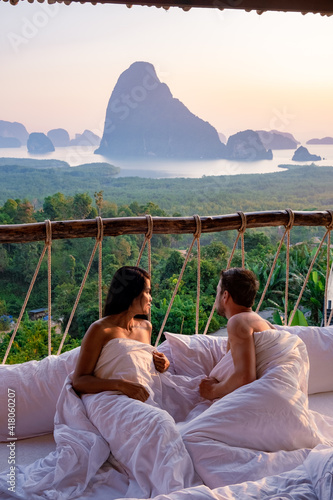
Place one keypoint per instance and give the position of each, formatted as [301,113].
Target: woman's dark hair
[242,284]
[127,284]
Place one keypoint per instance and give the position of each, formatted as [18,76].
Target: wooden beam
[24,233]
[324,7]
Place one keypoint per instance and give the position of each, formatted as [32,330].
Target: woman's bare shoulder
[100,331]
[142,330]
[143,323]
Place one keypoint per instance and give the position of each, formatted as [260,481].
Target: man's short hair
[242,284]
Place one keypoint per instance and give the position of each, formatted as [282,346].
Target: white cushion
[193,355]
[319,344]
[37,385]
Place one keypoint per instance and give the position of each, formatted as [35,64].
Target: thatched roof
[323,7]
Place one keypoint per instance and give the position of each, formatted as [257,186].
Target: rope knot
[197,232]
[100,228]
[243,225]
[329,226]
[48,229]
[150,225]
[290,223]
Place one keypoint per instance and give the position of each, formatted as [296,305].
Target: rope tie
[291,220]
[288,227]
[329,227]
[147,239]
[243,220]
[148,236]
[97,243]
[195,235]
[197,232]
[99,238]
[286,290]
[240,234]
[46,246]
[241,231]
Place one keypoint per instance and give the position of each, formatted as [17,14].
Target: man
[235,296]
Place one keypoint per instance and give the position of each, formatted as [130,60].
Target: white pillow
[319,344]
[194,355]
[37,385]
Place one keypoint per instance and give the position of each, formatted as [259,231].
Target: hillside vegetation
[303,188]
[70,257]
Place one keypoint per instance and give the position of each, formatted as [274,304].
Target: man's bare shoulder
[244,324]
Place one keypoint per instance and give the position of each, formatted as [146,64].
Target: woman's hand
[161,362]
[133,390]
[208,387]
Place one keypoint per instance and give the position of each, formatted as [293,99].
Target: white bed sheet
[82,467]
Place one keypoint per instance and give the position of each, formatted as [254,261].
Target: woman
[128,300]
[119,376]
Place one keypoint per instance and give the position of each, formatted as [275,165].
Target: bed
[270,439]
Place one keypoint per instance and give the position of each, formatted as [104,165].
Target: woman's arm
[84,380]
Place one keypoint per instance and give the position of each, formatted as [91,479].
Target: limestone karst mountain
[59,137]
[39,143]
[324,140]
[88,138]
[13,130]
[302,154]
[274,139]
[143,119]
[247,146]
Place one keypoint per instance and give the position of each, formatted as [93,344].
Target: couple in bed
[104,365]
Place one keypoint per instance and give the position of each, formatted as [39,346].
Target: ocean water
[152,168]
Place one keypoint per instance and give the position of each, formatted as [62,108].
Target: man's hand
[208,387]
[133,390]
[161,362]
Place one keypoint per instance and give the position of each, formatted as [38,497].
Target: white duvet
[261,441]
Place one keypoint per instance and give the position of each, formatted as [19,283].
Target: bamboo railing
[25,233]
[98,228]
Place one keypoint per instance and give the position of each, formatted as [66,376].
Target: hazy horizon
[234,69]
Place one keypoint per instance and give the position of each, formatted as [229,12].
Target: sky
[236,70]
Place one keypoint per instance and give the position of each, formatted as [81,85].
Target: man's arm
[243,355]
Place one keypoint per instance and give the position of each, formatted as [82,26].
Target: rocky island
[324,140]
[274,139]
[39,143]
[12,134]
[247,146]
[59,137]
[302,154]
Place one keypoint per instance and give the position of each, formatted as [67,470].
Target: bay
[158,168]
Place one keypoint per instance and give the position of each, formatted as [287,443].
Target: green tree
[82,207]
[55,207]
[31,342]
